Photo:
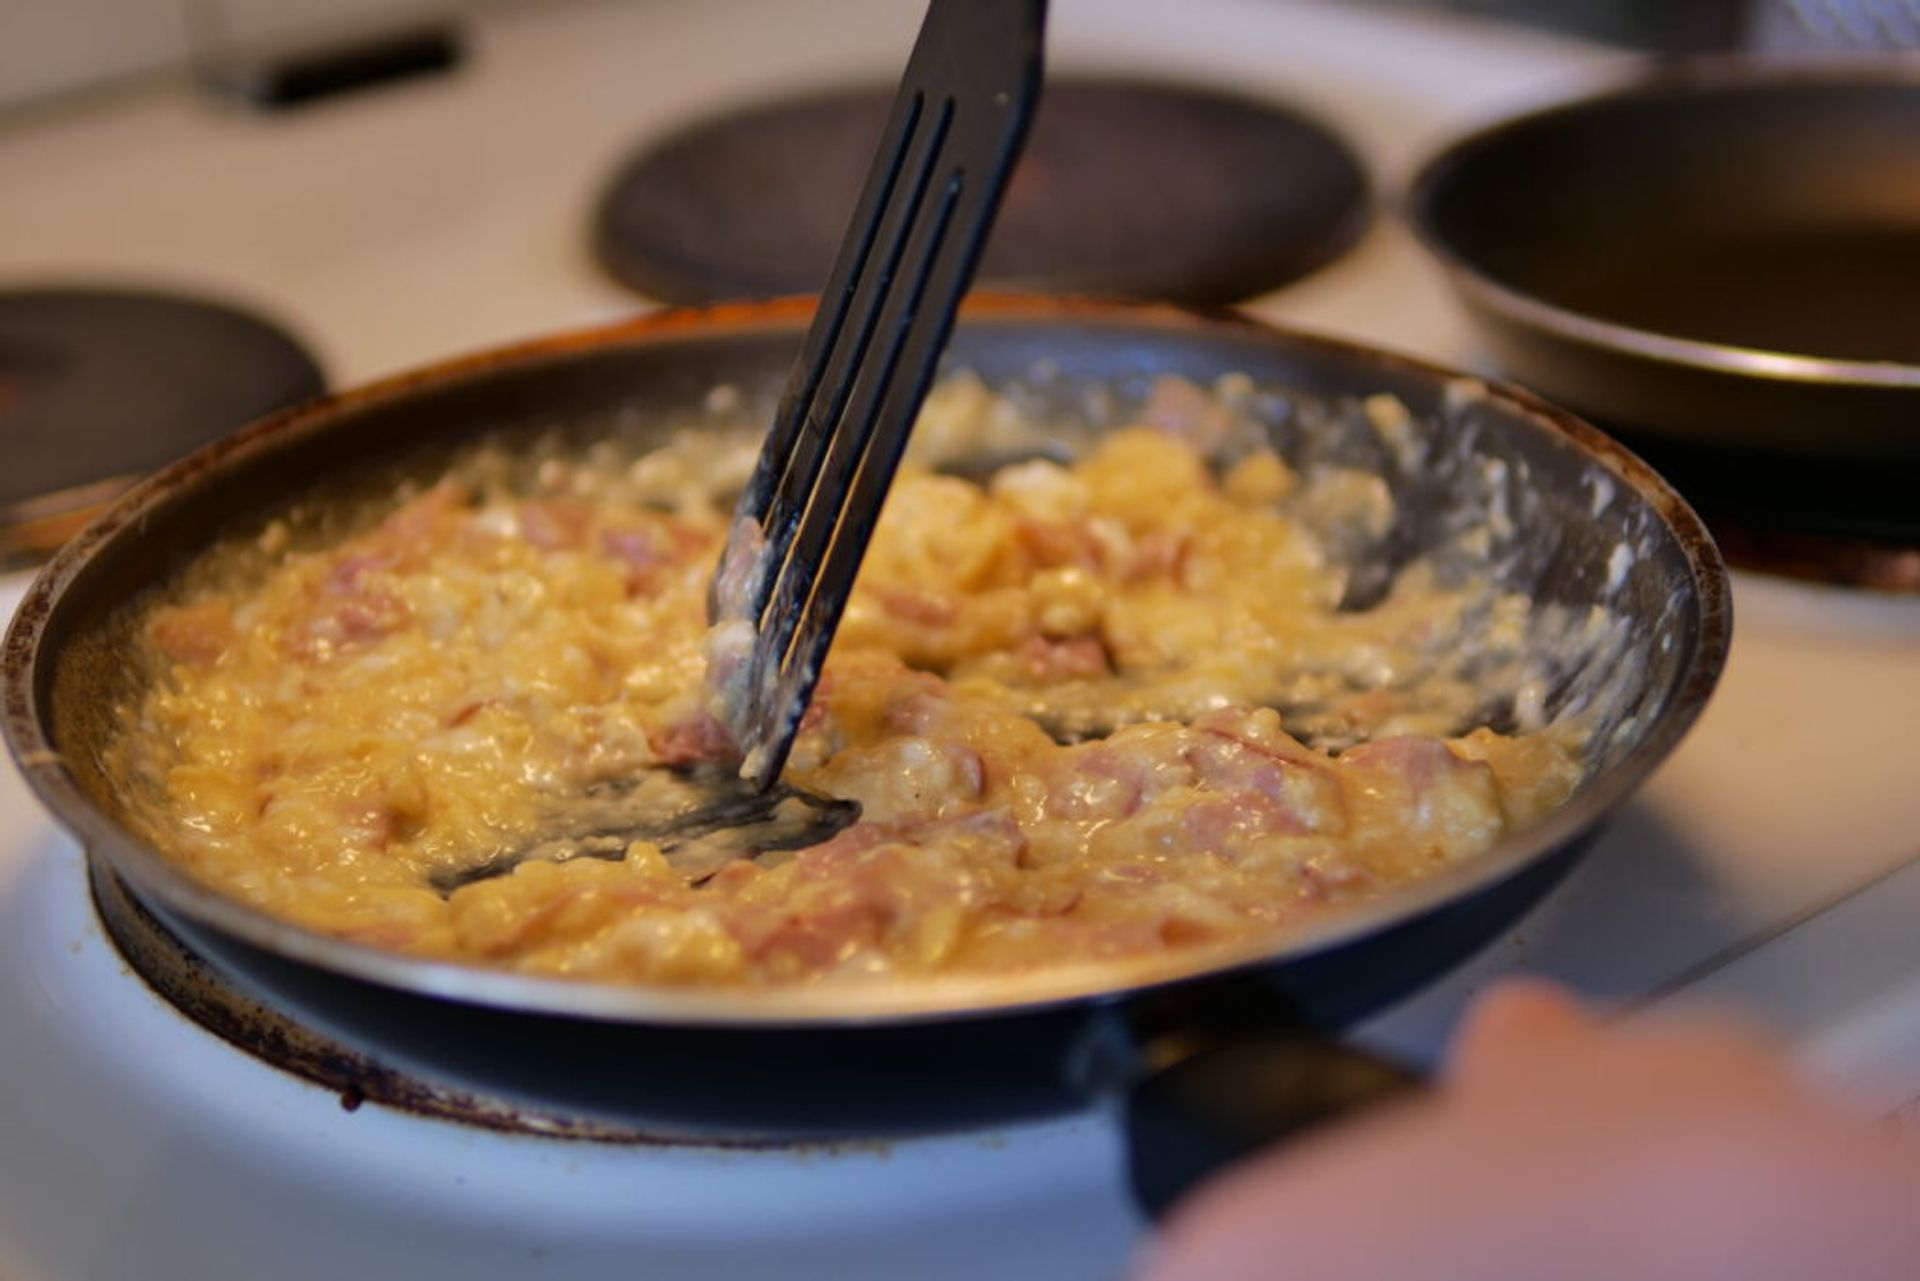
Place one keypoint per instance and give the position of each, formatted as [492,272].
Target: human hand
[1558,1150]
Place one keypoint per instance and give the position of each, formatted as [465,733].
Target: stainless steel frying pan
[885,1059]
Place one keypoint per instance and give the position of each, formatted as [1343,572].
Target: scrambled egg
[1053,699]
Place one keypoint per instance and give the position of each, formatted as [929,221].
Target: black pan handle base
[1206,1074]
[1221,1101]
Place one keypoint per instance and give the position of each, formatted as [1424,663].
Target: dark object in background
[99,387]
[279,80]
[1720,263]
[1693,26]
[875,1059]
[1840,522]
[1710,26]
[1126,189]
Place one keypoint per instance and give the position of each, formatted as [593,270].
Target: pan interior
[1780,216]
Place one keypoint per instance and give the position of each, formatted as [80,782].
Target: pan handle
[1225,1101]
[1209,1076]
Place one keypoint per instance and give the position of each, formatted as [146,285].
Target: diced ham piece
[1450,804]
[1248,788]
[699,738]
[1158,555]
[929,609]
[834,855]
[1107,782]
[193,635]
[345,578]
[1245,753]
[639,546]
[1077,658]
[1215,825]
[994,829]
[821,934]
[353,620]
[1419,761]
[369,618]
[1055,544]
[555,524]
[923,710]
[852,892]
[413,520]
[351,606]
[651,552]
[1231,765]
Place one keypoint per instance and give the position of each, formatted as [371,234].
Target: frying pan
[1719,260]
[1244,1027]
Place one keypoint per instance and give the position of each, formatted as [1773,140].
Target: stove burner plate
[98,388]
[1814,519]
[1126,188]
[712,1087]
[1821,558]
[184,979]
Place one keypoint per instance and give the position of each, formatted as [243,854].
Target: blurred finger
[1516,1020]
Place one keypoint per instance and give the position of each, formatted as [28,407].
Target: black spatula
[803,523]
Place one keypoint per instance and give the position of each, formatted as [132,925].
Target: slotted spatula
[803,523]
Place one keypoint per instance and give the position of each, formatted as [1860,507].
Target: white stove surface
[408,224]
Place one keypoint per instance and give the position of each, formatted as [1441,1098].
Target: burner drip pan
[100,387]
[1813,519]
[509,1070]
[1126,189]
[197,989]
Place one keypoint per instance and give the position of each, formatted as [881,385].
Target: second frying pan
[1721,260]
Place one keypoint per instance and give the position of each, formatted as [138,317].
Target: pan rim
[893,1003]
[1698,76]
